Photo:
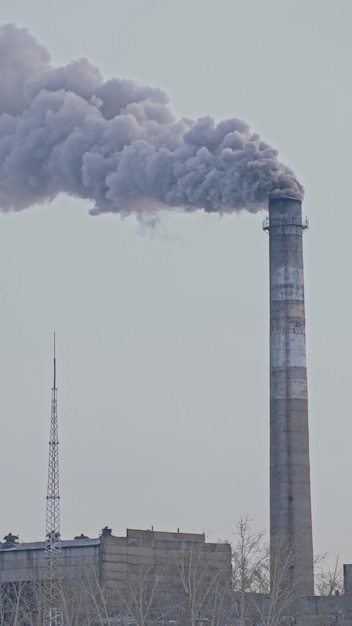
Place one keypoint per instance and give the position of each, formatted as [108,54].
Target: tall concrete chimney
[290,502]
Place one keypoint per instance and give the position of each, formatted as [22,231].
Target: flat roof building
[145,576]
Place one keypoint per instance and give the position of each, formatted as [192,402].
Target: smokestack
[290,500]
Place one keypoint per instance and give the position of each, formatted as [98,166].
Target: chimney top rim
[278,199]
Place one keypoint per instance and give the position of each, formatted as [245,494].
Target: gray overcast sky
[162,337]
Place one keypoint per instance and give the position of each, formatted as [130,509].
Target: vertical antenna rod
[52,611]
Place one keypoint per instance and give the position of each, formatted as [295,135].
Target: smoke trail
[118,144]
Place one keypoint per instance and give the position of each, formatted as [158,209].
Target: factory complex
[150,577]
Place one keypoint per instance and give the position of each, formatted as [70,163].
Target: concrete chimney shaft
[290,500]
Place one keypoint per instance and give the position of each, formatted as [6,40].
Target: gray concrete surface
[290,500]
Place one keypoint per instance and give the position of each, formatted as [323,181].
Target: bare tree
[82,601]
[264,589]
[204,582]
[138,597]
[285,589]
[250,561]
[19,604]
[328,580]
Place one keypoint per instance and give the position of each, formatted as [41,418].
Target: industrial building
[145,576]
[149,577]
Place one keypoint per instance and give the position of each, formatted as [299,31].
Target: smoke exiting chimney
[290,501]
[118,145]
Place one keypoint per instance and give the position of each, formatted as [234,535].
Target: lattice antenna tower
[52,611]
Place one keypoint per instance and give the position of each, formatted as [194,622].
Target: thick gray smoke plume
[117,143]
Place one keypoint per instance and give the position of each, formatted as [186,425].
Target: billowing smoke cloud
[118,144]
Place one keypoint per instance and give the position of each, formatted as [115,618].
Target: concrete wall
[310,611]
[347,579]
[161,556]
[26,561]
[290,501]
[119,560]
[143,574]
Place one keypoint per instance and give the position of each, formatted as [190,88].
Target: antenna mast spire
[52,609]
